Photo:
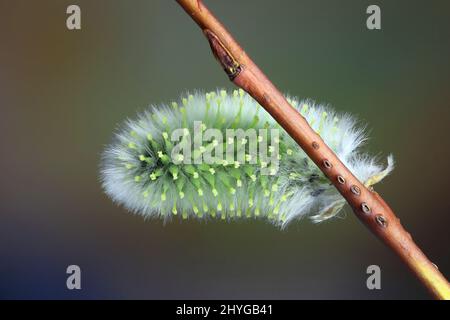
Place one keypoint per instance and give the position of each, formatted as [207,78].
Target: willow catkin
[221,155]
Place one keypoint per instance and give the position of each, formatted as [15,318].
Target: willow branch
[367,205]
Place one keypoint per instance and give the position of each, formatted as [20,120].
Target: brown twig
[368,206]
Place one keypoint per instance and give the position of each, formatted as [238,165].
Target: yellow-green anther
[260,139]
[313,120]
[254,122]
[128,165]
[264,181]
[239,183]
[271,149]
[180,157]
[223,216]
[174,171]
[257,211]
[284,197]
[131,145]
[266,193]
[244,141]
[293,175]
[165,135]
[195,209]
[223,93]
[175,105]
[145,194]
[183,114]
[215,192]
[232,207]
[164,158]
[241,93]
[253,177]
[230,140]
[164,119]
[219,206]
[239,213]
[137,178]
[184,214]
[225,163]
[276,210]
[208,97]
[322,120]
[271,200]
[304,109]
[163,196]
[275,187]
[263,164]
[195,175]
[235,93]
[250,203]
[200,192]
[237,164]
[149,137]
[191,97]
[133,133]
[212,171]
[289,152]
[273,171]
[232,190]
[179,183]
[174,209]
[248,157]
[184,101]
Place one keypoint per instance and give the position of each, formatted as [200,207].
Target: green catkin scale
[169,162]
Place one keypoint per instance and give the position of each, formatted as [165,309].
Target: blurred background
[62,94]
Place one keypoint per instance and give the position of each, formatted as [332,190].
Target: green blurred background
[62,93]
